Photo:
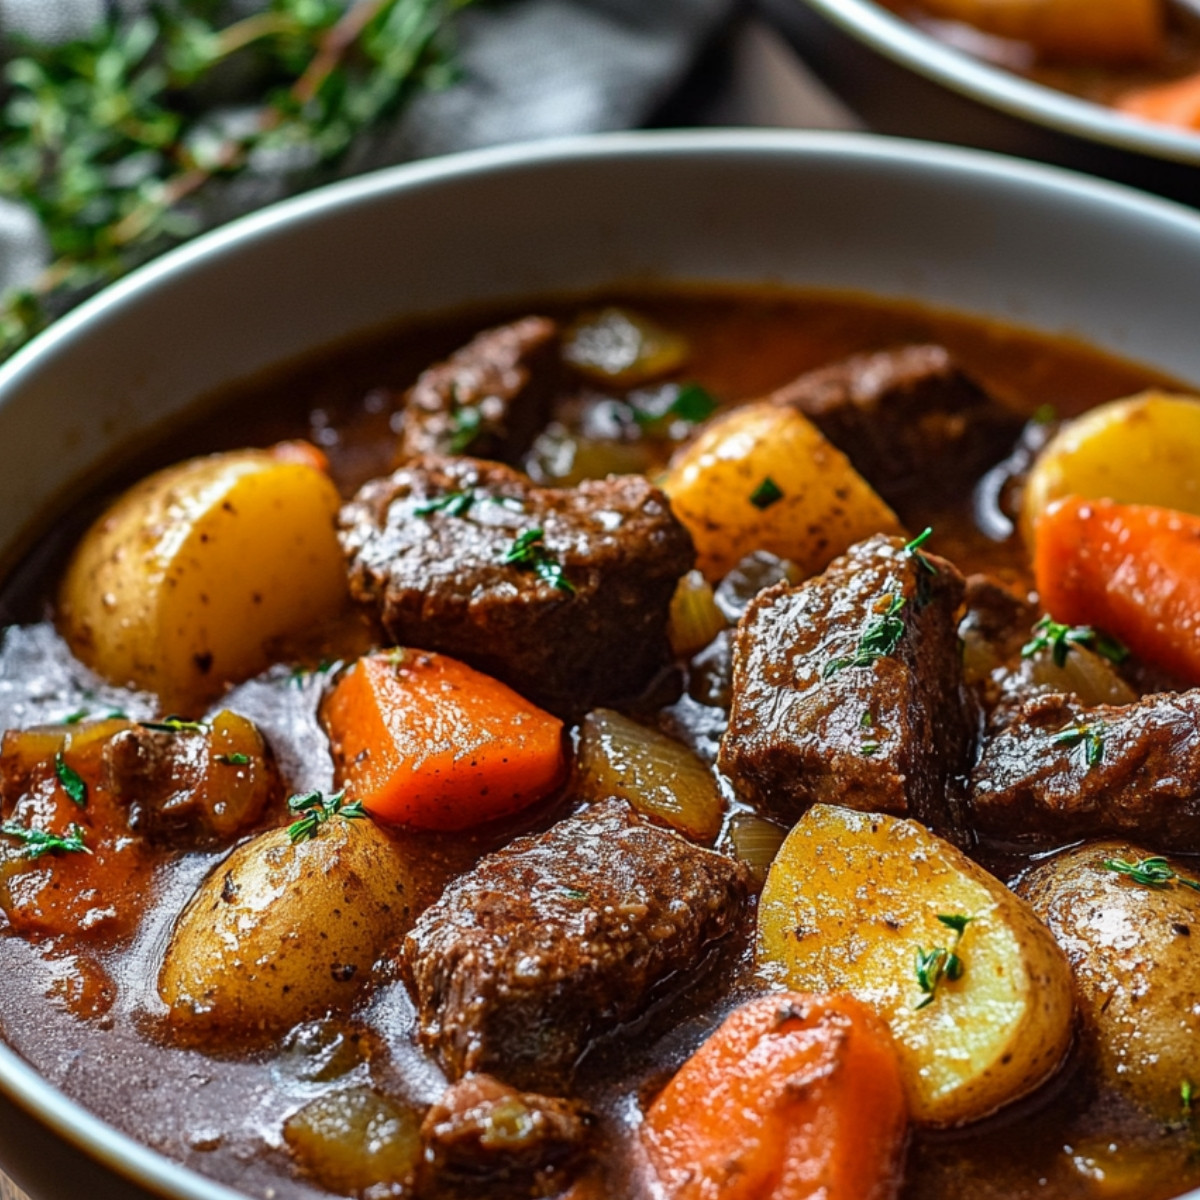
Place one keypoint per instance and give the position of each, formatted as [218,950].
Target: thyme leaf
[529,553]
[942,962]
[315,809]
[1153,872]
[767,493]
[37,842]
[72,782]
[1059,639]
[880,635]
[233,760]
[175,724]
[1089,738]
[453,504]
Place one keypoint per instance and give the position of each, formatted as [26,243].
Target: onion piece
[659,777]
[695,617]
[755,841]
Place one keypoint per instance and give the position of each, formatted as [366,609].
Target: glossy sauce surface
[88,1015]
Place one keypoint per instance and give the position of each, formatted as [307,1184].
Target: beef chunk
[192,787]
[997,625]
[559,937]
[1060,771]
[581,620]
[491,397]
[907,418]
[847,689]
[483,1138]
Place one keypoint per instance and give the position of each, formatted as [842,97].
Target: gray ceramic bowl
[963,230]
[901,81]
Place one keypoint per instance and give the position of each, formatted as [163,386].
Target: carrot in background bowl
[424,740]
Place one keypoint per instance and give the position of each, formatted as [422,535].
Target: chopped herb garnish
[1045,414]
[767,493]
[300,674]
[866,721]
[932,966]
[75,717]
[879,637]
[233,760]
[466,424]
[867,749]
[1089,739]
[1186,1095]
[116,714]
[528,552]
[71,780]
[1059,639]
[453,504]
[693,404]
[175,724]
[1153,872]
[955,921]
[913,548]
[316,809]
[573,893]
[38,842]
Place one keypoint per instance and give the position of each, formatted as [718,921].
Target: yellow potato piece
[1142,450]
[763,477]
[849,901]
[280,933]
[182,584]
[1088,31]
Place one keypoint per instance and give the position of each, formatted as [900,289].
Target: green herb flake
[767,493]
[234,760]
[693,404]
[173,724]
[75,717]
[1044,414]
[466,424]
[315,809]
[37,842]
[955,921]
[453,504]
[1153,872]
[529,553]
[1186,1096]
[71,780]
[878,638]
[868,749]
[573,893]
[1059,639]
[1089,738]
[942,962]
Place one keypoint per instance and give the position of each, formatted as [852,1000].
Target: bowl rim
[894,38]
[20,1083]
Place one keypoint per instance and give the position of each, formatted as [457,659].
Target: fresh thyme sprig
[932,966]
[529,553]
[1153,872]
[108,139]
[36,842]
[314,809]
[878,638]
[1059,639]
[1089,738]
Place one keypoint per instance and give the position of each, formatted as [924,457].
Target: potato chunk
[765,478]
[1137,973]
[182,583]
[281,932]
[851,903]
[1087,31]
[1141,450]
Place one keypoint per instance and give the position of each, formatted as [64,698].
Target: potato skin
[1137,967]
[847,903]
[278,933]
[1141,450]
[826,505]
[181,584]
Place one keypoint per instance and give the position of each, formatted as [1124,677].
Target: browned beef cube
[907,418]
[483,1138]
[489,398]
[192,787]
[559,937]
[1060,771]
[847,689]
[561,593]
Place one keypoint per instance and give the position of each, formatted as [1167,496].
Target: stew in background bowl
[764,169]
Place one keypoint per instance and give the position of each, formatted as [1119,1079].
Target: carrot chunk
[1132,570]
[424,740]
[1174,103]
[793,1097]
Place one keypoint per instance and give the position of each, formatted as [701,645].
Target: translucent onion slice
[755,841]
[695,617]
[658,776]
[1084,673]
[621,347]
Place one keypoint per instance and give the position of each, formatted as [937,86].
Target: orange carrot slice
[794,1097]
[424,740]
